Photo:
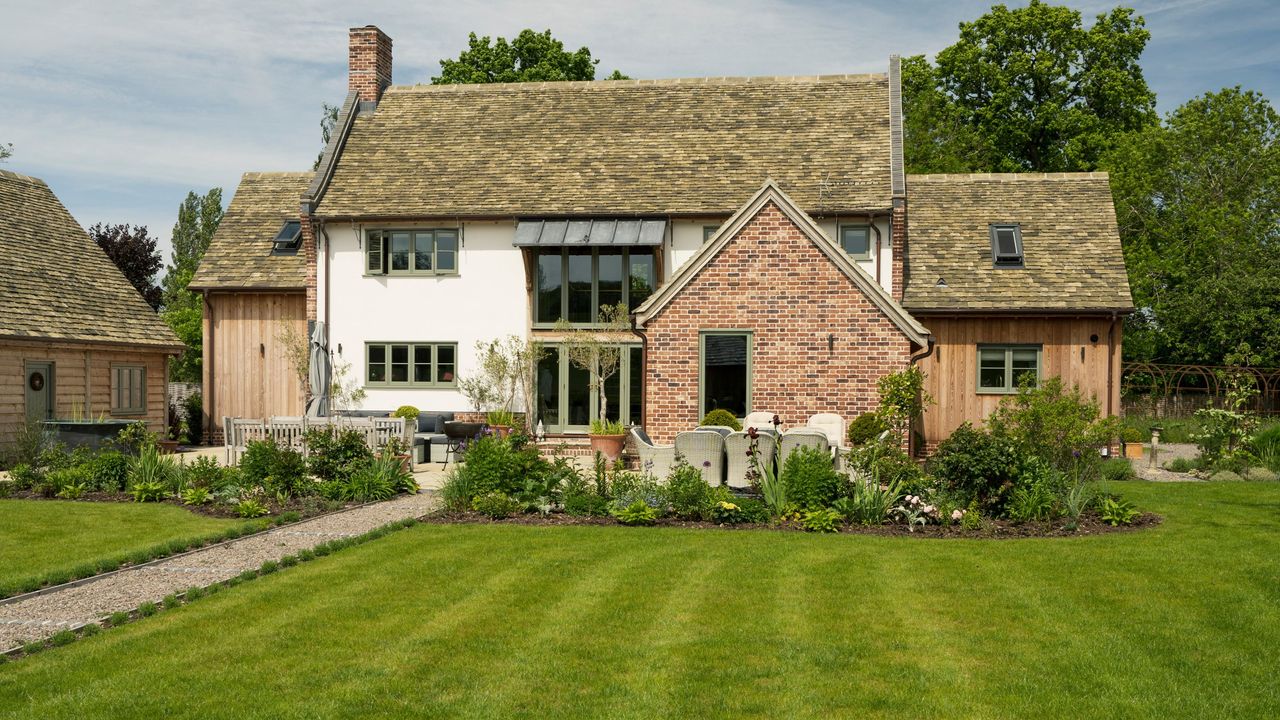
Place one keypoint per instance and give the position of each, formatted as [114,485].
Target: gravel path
[1168,451]
[39,617]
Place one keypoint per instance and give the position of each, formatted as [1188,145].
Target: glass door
[566,402]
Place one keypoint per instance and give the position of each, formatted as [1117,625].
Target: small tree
[506,377]
[902,399]
[596,350]
[1224,429]
[297,351]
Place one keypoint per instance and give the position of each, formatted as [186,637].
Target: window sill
[407,386]
[412,275]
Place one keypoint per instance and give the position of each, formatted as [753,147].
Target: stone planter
[167,447]
[92,434]
[608,445]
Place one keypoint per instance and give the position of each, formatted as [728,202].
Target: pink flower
[957,514]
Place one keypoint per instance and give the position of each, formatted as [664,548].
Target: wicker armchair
[704,450]
[833,427]
[724,430]
[759,420]
[801,437]
[737,451]
[656,460]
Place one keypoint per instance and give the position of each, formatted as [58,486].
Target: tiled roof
[1071,244]
[239,256]
[56,283]
[629,147]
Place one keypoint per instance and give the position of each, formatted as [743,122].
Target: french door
[566,402]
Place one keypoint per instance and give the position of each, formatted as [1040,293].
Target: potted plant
[1132,439]
[501,422]
[607,438]
[396,447]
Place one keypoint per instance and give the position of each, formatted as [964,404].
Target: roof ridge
[603,84]
[31,179]
[936,177]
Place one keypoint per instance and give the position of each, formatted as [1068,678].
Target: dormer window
[1006,245]
[288,239]
[856,241]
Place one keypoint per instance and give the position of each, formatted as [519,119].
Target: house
[253,281]
[762,232]
[77,341]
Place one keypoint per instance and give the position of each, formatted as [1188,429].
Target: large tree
[6,151]
[328,121]
[1028,89]
[530,57]
[135,253]
[198,219]
[1198,202]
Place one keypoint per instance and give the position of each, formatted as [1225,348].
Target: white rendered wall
[486,300]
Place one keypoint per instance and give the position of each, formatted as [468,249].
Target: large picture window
[1002,367]
[724,372]
[418,365]
[572,283]
[411,252]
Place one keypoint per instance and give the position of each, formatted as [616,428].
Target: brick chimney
[368,62]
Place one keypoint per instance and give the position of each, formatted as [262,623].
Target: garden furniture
[801,437]
[724,430]
[761,420]
[737,450]
[239,433]
[833,426]
[458,434]
[703,449]
[656,460]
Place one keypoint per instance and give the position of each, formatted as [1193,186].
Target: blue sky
[123,107]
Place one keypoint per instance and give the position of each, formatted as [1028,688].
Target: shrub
[109,471]
[148,491]
[496,505]
[727,512]
[408,412]
[501,464]
[458,491]
[977,467]
[823,520]
[1117,469]
[865,428]
[636,513]
[1131,434]
[1266,446]
[204,473]
[193,409]
[1180,465]
[1260,474]
[331,453]
[26,476]
[30,441]
[250,508]
[366,483]
[629,487]
[257,461]
[723,417]
[1058,426]
[688,495]
[811,480]
[868,503]
[1035,497]
[1225,476]
[196,495]
[75,480]
[585,504]
[887,463]
[134,438]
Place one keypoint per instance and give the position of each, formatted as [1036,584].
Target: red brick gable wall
[774,281]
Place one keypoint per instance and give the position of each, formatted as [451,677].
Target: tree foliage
[1198,203]
[328,121]
[6,151]
[135,253]
[198,219]
[1027,89]
[530,57]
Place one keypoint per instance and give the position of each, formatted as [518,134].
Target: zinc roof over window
[589,233]
[240,255]
[1072,258]
[57,284]
[629,147]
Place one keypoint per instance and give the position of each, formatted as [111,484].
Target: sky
[123,107]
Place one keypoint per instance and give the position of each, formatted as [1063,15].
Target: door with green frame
[566,402]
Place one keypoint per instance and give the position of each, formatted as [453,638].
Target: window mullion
[595,287]
[1010,384]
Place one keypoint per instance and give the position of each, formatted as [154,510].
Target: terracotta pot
[168,447]
[501,430]
[1133,450]
[609,445]
[404,462]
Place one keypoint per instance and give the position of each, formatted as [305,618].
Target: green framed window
[572,283]
[724,371]
[412,365]
[1001,367]
[708,231]
[128,389]
[411,252]
[856,241]
[566,402]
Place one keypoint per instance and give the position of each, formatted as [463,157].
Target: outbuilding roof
[615,148]
[57,284]
[240,255]
[1071,258]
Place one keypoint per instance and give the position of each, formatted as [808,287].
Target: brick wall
[368,62]
[772,280]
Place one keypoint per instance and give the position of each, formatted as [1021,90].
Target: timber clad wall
[952,368]
[81,371]
[249,375]
[772,280]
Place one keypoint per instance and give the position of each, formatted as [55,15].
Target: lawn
[45,537]
[1182,620]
